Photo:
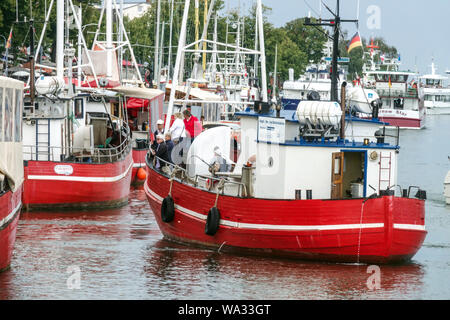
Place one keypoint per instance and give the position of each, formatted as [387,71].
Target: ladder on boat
[43,139]
[385,171]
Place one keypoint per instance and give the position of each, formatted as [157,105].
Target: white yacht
[436,94]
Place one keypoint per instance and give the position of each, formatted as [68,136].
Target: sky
[418,29]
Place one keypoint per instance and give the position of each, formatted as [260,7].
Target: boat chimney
[291,75]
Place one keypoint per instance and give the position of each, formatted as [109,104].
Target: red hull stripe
[9,217]
[81,179]
[239,225]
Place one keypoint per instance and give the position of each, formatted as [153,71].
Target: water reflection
[210,274]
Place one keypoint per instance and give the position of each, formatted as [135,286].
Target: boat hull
[405,119]
[56,185]
[383,230]
[139,162]
[10,204]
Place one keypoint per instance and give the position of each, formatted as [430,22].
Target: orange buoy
[141,174]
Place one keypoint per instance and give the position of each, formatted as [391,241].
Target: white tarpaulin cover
[203,149]
[197,93]
[139,93]
[98,58]
[11,153]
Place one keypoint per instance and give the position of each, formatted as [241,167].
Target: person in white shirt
[177,130]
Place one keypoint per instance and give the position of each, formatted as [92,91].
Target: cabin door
[337,175]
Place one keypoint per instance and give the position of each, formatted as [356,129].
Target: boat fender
[167,210]
[212,222]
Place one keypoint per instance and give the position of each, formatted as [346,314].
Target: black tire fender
[167,210]
[212,222]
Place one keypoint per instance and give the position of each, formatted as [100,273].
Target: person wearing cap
[161,153]
[159,130]
[219,163]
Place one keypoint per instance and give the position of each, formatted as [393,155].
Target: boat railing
[78,155]
[182,175]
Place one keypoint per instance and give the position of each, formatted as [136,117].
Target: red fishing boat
[301,198]
[11,165]
[77,143]
[304,186]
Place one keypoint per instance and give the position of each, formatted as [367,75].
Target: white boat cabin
[72,128]
[300,155]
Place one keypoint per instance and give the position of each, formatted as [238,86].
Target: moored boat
[302,199]
[302,187]
[11,165]
[77,146]
[436,94]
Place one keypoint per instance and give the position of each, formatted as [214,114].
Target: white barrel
[49,85]
[328,112]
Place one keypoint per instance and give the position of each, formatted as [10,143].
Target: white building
[135,10]
[132,9]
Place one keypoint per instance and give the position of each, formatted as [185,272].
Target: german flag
[354,43]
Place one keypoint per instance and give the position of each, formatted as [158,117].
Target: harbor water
[121,254]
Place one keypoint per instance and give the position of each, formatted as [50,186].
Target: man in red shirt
[192,125]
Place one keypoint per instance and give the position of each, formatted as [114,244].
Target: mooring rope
[220,187]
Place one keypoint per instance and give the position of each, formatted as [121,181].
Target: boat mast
[336,25]
[79,62]
[121,41]
[263,52]
[176,74]
[155,66]
[205,20]
[109,45]
[60,39]
[169,63]
[274,95]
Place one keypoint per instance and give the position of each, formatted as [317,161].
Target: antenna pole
[335,24]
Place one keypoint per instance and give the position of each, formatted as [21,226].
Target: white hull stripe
[10,216]
[81,179]
[409,227]
[139,165]
[268,226]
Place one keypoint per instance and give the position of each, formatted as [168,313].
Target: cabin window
[18,116]
[1,114]
[428,97]
[78,108]
[8,106]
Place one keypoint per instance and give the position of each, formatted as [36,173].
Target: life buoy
[212,222]
[167,210]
